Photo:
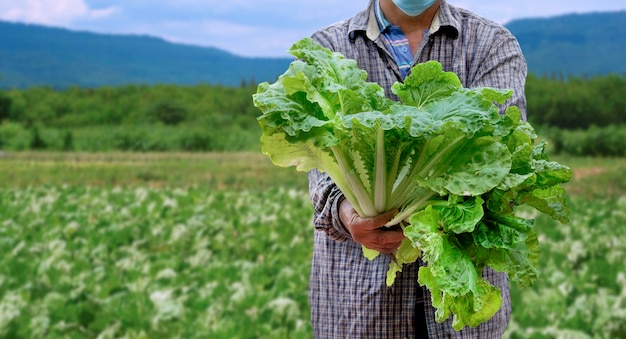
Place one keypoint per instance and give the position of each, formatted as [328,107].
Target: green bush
[146,138]
[217,118]
[576,103]
[168,113]
[609,141]
[14,137]
[5,107]
[135,118]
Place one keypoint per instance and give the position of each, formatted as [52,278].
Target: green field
[217,245]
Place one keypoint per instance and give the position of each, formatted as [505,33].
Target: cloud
[241,38]
[51,12]
[245,27]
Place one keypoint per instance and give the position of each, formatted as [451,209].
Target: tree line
[129,118]
[581,116]
[577,103]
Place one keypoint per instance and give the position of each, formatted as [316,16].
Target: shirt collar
[367,21]
[445,22]
[383,24]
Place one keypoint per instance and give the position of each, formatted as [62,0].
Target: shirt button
[404,49]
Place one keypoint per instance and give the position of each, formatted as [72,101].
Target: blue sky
[246,27]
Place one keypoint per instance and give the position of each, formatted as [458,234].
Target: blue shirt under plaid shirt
[397,40]
[348,294]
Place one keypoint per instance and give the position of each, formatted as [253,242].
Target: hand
[371,232]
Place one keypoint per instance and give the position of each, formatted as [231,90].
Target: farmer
[348,294]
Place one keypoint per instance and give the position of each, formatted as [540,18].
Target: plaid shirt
[347,293]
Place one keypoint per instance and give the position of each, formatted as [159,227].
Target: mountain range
[579,45]
[34,55]
[574,45]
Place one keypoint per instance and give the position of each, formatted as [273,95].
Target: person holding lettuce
[348,294]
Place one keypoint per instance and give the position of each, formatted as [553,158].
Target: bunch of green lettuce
[443,156]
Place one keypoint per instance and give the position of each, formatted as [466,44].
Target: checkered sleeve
[326,196]
[504,67]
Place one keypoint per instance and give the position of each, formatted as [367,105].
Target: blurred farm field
[153,256]
[197,245]
[593,177]
[233,170]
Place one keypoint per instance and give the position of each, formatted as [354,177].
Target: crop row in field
[150,263]
[581,290]
[81,262]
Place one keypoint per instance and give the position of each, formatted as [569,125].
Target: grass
[596,177]
[593,177]
[238,171]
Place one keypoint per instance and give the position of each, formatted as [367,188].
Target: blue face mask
[413,7]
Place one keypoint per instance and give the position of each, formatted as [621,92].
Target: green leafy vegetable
[443,156]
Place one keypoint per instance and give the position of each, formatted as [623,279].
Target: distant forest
[580,116]
[130,118]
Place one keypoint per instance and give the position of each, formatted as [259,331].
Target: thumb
[379,220]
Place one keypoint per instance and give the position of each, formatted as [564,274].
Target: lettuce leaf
[443,156]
